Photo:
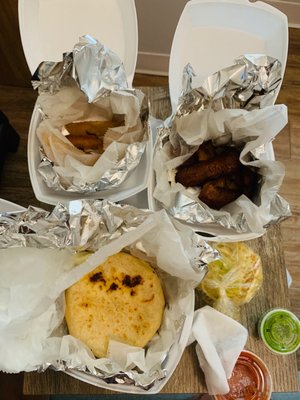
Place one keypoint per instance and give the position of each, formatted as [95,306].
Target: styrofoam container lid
[9,207]
[50,28]
[174,354]
[211,34]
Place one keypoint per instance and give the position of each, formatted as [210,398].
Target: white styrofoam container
[210,35]
[135,182]
[174,354]
[48,28]
[9,207]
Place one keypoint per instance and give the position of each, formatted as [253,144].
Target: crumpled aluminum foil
[49,75]
[112,178]
[97,71]
[249,84]
[252,83]
[81,225]
[88,225]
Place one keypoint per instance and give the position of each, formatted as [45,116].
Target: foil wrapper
[250,83]
[112,178]
[234,106]
[49,75]
[96,69]
[99,74]
[80,225]
[97,226]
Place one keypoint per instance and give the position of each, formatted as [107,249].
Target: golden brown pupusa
[122,299]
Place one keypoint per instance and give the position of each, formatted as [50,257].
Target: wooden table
[15,186]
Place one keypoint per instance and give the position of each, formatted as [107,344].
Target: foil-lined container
[39,252]
[234,107]
[89,84]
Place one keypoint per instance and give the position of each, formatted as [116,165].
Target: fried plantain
[86,142]
[206,151]
[197,174]
[219,192]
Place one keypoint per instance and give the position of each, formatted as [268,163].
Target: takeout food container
[251,379]
[34,327]
[9,207]
[279,330]
[114,24]
[209,36]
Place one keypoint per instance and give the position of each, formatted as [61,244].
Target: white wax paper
[220,340]
[254,131]
[74,166]
[32,284]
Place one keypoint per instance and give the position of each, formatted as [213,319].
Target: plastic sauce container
[250,379]
[279,329]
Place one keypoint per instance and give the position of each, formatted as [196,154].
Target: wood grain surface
[15,186]
[13,67]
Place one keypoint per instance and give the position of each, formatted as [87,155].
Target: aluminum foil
[50,75]
[81,225]
[87,226]
[112,178]
[96,69]
[251,84]
[98,72]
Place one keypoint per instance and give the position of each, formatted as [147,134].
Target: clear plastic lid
[280,331]
[250,379]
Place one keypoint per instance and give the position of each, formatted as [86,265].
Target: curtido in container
[250,379]
[234,278]
[279,329]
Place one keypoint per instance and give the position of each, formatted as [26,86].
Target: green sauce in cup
[280,331]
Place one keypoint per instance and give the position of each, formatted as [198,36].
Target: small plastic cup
[279,330]
[250,379]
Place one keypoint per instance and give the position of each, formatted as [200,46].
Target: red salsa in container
[250,379]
